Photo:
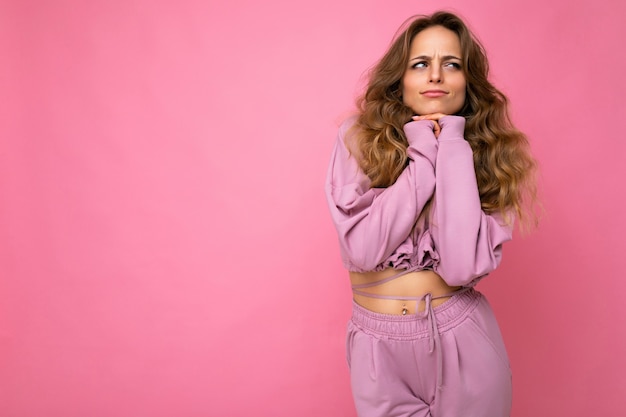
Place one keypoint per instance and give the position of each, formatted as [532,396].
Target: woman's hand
[435,118]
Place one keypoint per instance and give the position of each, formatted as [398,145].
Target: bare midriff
[411,284]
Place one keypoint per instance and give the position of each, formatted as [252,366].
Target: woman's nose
[435,75]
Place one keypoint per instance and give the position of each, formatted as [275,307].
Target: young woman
[423,187]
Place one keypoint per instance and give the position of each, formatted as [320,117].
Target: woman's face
[434,81]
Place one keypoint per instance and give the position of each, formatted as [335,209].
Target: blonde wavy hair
[505,168]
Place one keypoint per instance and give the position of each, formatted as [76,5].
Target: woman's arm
[373,222]
[469,241]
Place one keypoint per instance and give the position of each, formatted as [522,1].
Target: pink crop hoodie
[378,227]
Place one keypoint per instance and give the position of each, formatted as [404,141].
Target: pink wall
[165,247]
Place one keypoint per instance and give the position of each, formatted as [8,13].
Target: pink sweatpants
[449,361]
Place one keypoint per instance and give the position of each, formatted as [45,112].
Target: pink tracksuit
[449,360]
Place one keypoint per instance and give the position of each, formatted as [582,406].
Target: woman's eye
[453,65]
[421,64]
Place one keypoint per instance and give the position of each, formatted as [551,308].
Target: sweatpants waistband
[419,325]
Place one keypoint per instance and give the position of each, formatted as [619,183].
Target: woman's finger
[436,129]
[433,116]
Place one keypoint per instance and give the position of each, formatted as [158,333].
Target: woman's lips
[434,93]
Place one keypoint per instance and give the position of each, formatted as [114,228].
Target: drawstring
[433,333]
[384,280]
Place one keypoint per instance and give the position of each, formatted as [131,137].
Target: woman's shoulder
[348,123]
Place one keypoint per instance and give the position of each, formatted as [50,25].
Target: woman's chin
[422,111]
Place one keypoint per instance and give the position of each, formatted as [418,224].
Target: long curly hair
[505,169]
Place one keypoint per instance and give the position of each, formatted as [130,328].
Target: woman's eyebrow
[428,58]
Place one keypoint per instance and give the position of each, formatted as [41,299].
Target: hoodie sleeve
[372,222]
[468,240]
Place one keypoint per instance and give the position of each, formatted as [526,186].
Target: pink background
[165,246]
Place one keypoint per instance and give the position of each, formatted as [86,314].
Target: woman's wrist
[452,127]
[417,129]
